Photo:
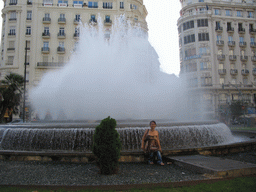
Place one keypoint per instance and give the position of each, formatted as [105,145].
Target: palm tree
[11,93]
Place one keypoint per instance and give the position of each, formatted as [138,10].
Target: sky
[163,34]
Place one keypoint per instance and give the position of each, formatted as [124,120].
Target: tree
[11,92]
[236,108]
[107,146]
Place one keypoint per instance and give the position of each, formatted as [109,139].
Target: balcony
[221,57]
[242,44]
[233,71]
[93,21]
[244,58]
[11,34]
[61,50]
[46,35]
[45,50]
[49,64]
[252,31]
[62,4]
[61,35]
[232,57]
[76,21]
[13,3]
[220,42]
[77,5]
[222,71]
[245,72]
[241,30]
[76,35]
[231,43]
[62,20]
[254,71]
[46,20]
[218,29]
[13,19]
[253,44]
[107,22]
[11,49]
[253,58]
[230,30]
[92,6]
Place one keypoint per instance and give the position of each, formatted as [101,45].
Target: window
[12,31]
[229,26]
[132,6]
[241,39]
[189,39]
[201,0]
[216,11]
[121,5]
[28,30]
[228,13]
[47,2]
[107,5]
[77,17]
[206,81]
[93,18]
[203,36]
[10,60]
[222,80]
[62,16]
[12,15]
[231,52]
[46,44]
[239,14]
[13,2]
[252,39]
[61,44]
[11,45]
[107,19]
[201,10]
[250,14]
[221,66]
[92,4]
[245,81]
[61,31]
[219,37]
[205,66]
[202,23]
[230,38]
[62,3]
[77,31]
[220,51]
[217,24]
[77,2]
[29,15]
[46,31]
[188,25]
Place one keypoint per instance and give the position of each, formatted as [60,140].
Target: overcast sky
[163,35]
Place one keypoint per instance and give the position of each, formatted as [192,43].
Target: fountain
[117,77]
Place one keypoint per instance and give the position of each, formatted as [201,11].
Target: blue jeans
[153,154]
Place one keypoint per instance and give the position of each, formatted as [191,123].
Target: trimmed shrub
[107,146]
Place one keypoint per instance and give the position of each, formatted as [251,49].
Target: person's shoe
[151,163]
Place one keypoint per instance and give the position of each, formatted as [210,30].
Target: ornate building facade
[43,33]
[218,52]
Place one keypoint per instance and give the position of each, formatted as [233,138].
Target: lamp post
[25,74]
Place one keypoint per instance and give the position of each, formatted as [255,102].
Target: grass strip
[245,184]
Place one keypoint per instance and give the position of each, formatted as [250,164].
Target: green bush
[107,146]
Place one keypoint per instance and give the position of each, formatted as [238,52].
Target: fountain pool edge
[129,156]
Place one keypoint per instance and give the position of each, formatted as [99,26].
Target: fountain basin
[71,142]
